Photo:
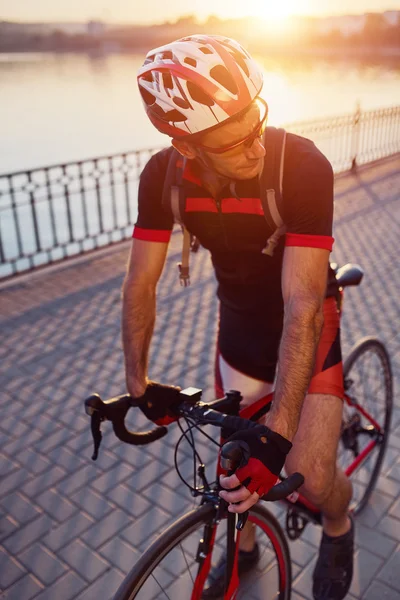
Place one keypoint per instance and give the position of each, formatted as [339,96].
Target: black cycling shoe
[334,569]
[216,580]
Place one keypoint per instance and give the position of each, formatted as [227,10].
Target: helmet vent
[197,94]
[147,77]
[167,81]
[181,102]
[167,55]
[205,50]
[238,56]
[190,61]
[222,75]
[170,115]
[148,98]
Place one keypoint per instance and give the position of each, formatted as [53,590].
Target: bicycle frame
[296,502]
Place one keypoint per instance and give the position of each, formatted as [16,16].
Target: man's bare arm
[304,277]
[139,309]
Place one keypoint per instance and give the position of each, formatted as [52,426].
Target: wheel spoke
[368,370]
[186,561]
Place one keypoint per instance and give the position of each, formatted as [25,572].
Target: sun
[275,13]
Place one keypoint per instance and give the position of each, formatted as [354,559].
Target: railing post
[355,137]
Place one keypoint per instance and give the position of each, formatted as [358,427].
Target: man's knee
[319,478]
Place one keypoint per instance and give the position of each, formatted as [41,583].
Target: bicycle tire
[358,352]
[183,527]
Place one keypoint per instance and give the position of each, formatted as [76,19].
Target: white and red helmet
[197,82]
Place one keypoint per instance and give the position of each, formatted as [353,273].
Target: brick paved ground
[71,528]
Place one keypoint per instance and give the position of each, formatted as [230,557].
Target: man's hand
[158,402]
[264,454]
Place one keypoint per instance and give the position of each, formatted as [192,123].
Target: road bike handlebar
[189,406]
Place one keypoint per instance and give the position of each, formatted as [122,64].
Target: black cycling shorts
[249,342]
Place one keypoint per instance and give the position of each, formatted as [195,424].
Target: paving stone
[391,527]
[14,481]
[111,478]
[366,566]
[374,541]
[120,553]
[380,591]
[387,486]
[65,588]
[105,587]
[42,563]
[27,587]
[302,584]
[301,552]
[15,446]
[27,535]
[7,526]
[376,509]
[390,572]
[66,459]
[106,528]
[7,465]
[80,478]
[173,503]
[133,503]
[14,425]
[33,462]
[67,531]
[56,438]
[55,505]
[19,507]
[43,481]
[92,503]
[10,570]
[395,510]
[140,532]
[88,564]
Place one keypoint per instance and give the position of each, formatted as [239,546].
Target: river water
[61,107]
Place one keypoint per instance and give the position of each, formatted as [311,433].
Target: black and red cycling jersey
[233,227]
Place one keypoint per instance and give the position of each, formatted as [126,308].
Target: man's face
[245,161]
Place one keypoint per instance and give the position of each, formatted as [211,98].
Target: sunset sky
[134,11]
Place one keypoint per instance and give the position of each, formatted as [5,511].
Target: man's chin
[249,172]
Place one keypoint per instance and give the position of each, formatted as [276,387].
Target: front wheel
[177,564]
[366,417]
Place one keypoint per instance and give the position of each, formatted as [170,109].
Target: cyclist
[278,321]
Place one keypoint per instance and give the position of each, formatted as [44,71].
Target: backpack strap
[271,185]
[174,200]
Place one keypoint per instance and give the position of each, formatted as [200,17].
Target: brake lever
[242,520]
[95,421]
[231,457]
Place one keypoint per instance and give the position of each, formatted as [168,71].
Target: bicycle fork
[204,555]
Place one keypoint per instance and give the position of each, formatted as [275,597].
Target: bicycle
[177,564]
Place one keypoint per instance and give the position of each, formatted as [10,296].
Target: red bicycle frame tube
[251,410]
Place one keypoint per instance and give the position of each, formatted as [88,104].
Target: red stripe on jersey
[248,206]
[325,242]
[201,205]
[151,235]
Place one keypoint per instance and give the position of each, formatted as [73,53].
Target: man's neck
[212,181]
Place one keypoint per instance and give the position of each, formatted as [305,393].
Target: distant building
[96,28]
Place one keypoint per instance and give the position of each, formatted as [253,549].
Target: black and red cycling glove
[264,454]
[158,403]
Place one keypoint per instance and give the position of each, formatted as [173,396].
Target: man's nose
[256,150]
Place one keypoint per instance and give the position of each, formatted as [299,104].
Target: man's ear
[184,148]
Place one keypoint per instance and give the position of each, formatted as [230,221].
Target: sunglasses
[249,140]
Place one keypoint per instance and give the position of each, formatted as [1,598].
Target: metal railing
[55,212]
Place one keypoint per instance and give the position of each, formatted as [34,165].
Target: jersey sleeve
[153,224]
[309,214]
